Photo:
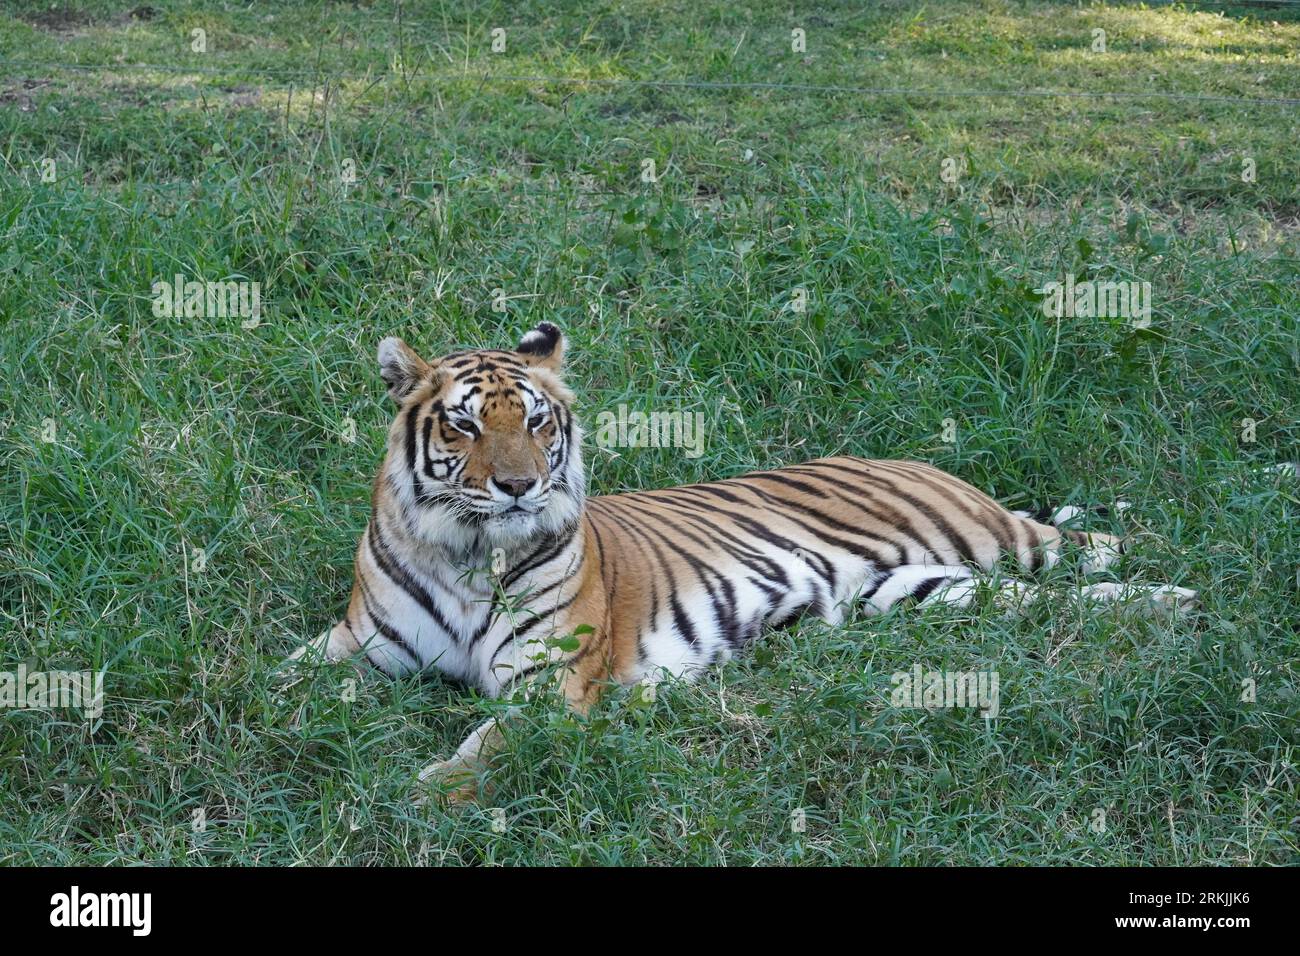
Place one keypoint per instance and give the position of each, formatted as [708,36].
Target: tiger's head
[484,451]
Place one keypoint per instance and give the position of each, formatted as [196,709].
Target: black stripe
[757,530]
[568,576]
[724,607]
[428,435]
[529,670]
[882,510]
[926,588]
[679,617]
[869,592]
[410,452]
[561,541]
[523,629]
[793,615]
[961,546]
[742,551]
[683,623]
[957,492]
[873,555]
[384,628]
[392,566]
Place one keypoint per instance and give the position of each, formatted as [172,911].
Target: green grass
[177,434]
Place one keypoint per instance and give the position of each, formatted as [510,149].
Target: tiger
[485,559]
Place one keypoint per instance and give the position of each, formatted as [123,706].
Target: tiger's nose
[515,487]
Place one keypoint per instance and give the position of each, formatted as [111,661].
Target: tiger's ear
[400,368]
[543,346]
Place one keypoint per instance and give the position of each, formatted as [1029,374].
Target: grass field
[180,497]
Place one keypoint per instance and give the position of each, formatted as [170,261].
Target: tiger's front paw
[1167,597]
[459,779]
[455,780]
[329,647]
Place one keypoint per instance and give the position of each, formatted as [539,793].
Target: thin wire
[717,85]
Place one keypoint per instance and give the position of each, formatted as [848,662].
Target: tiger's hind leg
[1100,552]
[926,585]
[1049,529]
[1151,598]
[929,584]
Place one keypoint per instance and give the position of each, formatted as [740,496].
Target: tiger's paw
[1167,597]
[1151,599]
[315,651]
[326,648]
[455,781]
